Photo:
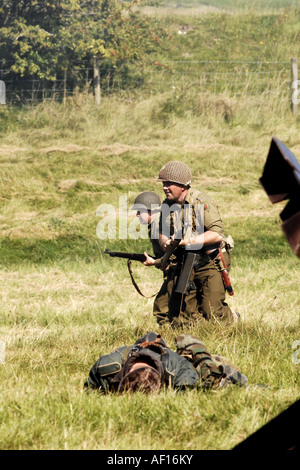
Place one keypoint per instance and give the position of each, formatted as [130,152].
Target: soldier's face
[174,191]
[144,216]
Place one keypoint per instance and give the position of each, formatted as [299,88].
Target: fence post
[2,92]
[32,92]
[65,87]
[294,85]
[54,88]
[97,90]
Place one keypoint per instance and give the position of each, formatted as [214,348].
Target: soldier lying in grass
[149,365]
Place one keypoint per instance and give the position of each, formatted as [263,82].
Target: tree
[27,36]
[44,38]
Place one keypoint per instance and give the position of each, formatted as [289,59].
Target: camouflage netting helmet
[146,200]
[176,172]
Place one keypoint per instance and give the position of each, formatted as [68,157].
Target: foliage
[44,38]
[28,36]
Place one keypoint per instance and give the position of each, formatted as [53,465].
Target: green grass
[245,37]
[64,302]
[236,5]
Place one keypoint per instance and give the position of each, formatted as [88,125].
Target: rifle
[170,249]
[131,256]
[141,257]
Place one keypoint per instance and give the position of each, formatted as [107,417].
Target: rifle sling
[134,283]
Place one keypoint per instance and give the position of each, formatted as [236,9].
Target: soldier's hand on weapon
[149,260]
[173,240]
[163,239]
[168,242]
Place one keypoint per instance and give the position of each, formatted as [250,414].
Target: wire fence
[232,78]
[230,83]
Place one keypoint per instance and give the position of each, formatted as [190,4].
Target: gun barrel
[133,256]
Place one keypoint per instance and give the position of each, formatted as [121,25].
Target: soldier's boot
[232,376]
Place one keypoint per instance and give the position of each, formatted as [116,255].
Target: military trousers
[205,299]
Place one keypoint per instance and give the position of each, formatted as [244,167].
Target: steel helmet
[145,200]
[176,172]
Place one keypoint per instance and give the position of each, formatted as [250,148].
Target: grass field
[236,5]
[64,302]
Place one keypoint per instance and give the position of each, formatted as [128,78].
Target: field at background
[234,5]
[64,302]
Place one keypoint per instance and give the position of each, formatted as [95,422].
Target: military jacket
[211,215]
[198,214]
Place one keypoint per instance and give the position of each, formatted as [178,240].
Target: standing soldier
[196,216]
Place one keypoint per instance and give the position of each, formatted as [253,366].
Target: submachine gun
[192,259]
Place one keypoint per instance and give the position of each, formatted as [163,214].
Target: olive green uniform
[206,298]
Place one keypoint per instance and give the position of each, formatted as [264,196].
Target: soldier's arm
[207,238]
[184,373]
[163,241]
[210,230]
